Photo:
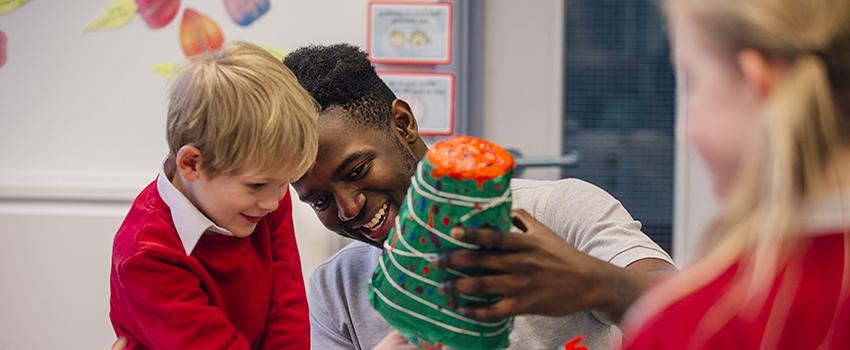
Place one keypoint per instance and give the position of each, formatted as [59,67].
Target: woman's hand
[538,272]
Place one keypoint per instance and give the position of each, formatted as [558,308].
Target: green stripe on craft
[473,191]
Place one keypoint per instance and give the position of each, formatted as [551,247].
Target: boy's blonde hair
[245,111]
[794,161]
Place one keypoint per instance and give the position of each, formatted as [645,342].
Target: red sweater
[230,293]
[805,308]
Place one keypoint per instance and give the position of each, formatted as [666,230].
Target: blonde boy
[206,257]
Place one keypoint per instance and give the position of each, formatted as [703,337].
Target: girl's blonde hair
[794,158]
[245,111]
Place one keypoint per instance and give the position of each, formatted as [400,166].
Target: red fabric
[230,293]
[813,307]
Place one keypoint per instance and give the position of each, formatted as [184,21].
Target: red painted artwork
[158,13]
[199,33]
[465,157]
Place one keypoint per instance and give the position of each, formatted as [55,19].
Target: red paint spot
[452,304]
[199,33]
[419,289]
[158,13]
[426,270]
[410,267]
[446,221]
[498,186]
[422,240]
[395,239]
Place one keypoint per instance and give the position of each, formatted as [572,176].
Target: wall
[82,130]
[523,78]
[523,96]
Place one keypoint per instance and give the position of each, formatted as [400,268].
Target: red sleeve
[170,308]
[288,325]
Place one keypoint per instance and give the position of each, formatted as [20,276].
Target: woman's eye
[256,186]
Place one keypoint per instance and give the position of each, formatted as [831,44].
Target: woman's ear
[404,122]
[760,72]
[188,161]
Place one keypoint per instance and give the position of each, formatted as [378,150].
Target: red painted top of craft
[466,157]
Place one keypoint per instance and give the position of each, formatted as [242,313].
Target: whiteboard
[83,113]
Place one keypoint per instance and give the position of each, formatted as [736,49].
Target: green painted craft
[404,286]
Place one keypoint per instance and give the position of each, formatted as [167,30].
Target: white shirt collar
[188,220]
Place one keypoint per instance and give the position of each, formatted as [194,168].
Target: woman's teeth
[377,219]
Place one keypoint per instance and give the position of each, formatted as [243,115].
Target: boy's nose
[271,202]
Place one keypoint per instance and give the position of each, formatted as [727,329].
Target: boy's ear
[404,122]
[188,161]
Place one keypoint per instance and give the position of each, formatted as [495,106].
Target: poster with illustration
[410,33]
[430,96]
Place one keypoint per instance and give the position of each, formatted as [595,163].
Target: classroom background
[578,88]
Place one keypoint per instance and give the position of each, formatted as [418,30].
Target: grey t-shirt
[585,215]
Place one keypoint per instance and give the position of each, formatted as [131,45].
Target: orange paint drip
[199,34]
[466,157]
